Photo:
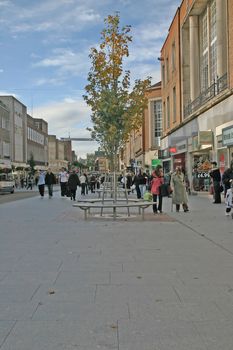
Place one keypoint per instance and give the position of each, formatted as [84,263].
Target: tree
[117,108]
[32,164]
[91,161]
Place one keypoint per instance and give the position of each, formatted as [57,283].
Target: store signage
[155,162]
[172,150]
[203,175]
[205,138]
[227,136]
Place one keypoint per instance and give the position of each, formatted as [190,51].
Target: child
[228,200]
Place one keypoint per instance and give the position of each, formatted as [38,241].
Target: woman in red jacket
[156,182]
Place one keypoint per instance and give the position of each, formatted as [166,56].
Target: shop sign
[155,162]
[205,138]
[203,175]
[227,136]
[172,149]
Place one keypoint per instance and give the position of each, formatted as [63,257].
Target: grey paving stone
[17,292]
[216,334]
[160,334]
[82,295]
[135,293]
[62,335]
[13,311]
[80,278]
[55,311]
[5,329]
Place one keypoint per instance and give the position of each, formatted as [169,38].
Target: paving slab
[65,283]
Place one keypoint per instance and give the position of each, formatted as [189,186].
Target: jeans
[155,208]
[142,190]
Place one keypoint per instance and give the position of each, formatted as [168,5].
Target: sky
[45,47]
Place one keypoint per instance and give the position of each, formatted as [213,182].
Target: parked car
[7,183]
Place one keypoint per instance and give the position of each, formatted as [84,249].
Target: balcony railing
[213,90]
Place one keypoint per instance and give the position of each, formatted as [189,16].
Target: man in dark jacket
[73,182]
[227,178]
[50,180]
[216,178]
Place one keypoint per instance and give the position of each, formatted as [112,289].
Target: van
[7,183]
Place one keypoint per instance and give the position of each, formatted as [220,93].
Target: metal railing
[213,90]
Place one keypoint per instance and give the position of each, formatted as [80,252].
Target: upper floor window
[208,51]
[157,121]
[174,104]
[167,69]
[163,74]
[173,56]
[168,112]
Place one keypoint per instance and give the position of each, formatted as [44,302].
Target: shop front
[227,142]
[201,157]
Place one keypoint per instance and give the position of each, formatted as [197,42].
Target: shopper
[41,183]
[156,182]
[73,183]
[50,180]
[227,178]
[179,194]
[83,182]
[216,178]
[63,178]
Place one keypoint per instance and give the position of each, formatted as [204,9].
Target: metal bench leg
[114,213]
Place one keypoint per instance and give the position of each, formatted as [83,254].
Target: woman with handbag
[156,182]
[179,194]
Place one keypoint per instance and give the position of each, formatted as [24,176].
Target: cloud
[56,16]
[66,63]
[70,117]
[1,70]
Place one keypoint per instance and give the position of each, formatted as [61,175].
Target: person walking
[63,177]
[92,183]
[29,182]
[227,178]
[41,183]
[142,180]
[83,182]
[73,183]
[179,194]
[156,182]
[216,178]
[229,200]
[50,180]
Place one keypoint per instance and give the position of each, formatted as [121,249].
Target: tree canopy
[117,105]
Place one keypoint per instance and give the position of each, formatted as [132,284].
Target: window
[167,70]
[208,59]
[168,112]
[157,121]
[163,74]
[173,57]
[213,41]
[164,116]
[174,104]
[204,51]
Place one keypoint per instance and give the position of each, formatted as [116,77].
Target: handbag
[148,197]
[221,188]
[164,190]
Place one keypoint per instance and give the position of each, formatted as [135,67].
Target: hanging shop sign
[155,162]
[205,138]
[227,136]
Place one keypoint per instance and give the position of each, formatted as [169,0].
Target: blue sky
[45,45]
